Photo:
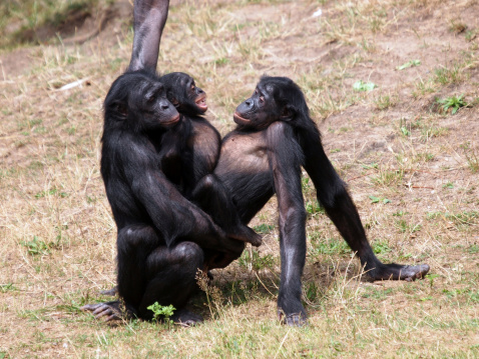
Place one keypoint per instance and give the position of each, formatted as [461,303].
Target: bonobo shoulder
[279,128]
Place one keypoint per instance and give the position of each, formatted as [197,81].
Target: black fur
[275,136]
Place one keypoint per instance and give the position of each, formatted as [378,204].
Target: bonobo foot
[294,320]
[245,234]
[186,318]
[110,310]
[397,272]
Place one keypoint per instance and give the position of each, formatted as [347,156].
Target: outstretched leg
[335,199]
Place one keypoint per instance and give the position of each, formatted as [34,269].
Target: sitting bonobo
[275,136]
[162,236]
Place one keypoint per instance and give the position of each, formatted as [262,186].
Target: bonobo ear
[288,113]
[121,109]
[174,101]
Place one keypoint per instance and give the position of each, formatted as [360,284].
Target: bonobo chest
[245,151]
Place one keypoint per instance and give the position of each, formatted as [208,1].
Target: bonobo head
[137,101]
[274,99]
[184,94]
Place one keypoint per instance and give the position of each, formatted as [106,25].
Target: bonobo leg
[335,199]
[149,272]
[149,20]
[213,198]
[284,160]
[171,279]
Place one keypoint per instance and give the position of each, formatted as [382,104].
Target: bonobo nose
[165,105]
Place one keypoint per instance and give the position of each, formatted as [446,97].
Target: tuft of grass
[454,103]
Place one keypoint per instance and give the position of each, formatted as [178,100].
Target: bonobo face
[260,110]
[184,94]
[156,110]
[197,95]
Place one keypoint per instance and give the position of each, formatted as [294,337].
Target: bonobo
[189,153]
[275,136]
[161,234]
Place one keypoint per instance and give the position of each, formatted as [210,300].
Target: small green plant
[405,131]
[362,86]
[7,288]
[36,246]
[448,185]
[452,102]
[162,311]
[51,192]
[408,64]
[375,199]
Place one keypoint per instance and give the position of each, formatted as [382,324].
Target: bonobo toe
[186,318]
[411,273]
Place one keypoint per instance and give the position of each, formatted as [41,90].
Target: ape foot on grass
[107,311]
[398,272]
[294,320]
[186,318]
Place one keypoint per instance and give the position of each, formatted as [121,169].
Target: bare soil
[411,166]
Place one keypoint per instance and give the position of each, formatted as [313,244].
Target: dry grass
[411,167]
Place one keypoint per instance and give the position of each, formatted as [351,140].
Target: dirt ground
[410,162]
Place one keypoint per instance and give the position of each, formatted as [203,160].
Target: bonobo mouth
[201,103]
[172,121]
[240,120]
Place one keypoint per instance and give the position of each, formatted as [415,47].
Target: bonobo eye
[261,99]
[150,98]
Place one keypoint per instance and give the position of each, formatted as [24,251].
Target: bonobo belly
[205,144]
[244,170]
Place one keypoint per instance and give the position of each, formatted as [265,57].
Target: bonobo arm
[333,196]
[149,20]
[285,158]
[172,214]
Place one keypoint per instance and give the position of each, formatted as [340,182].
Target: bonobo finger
[102,311]
[90,307]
